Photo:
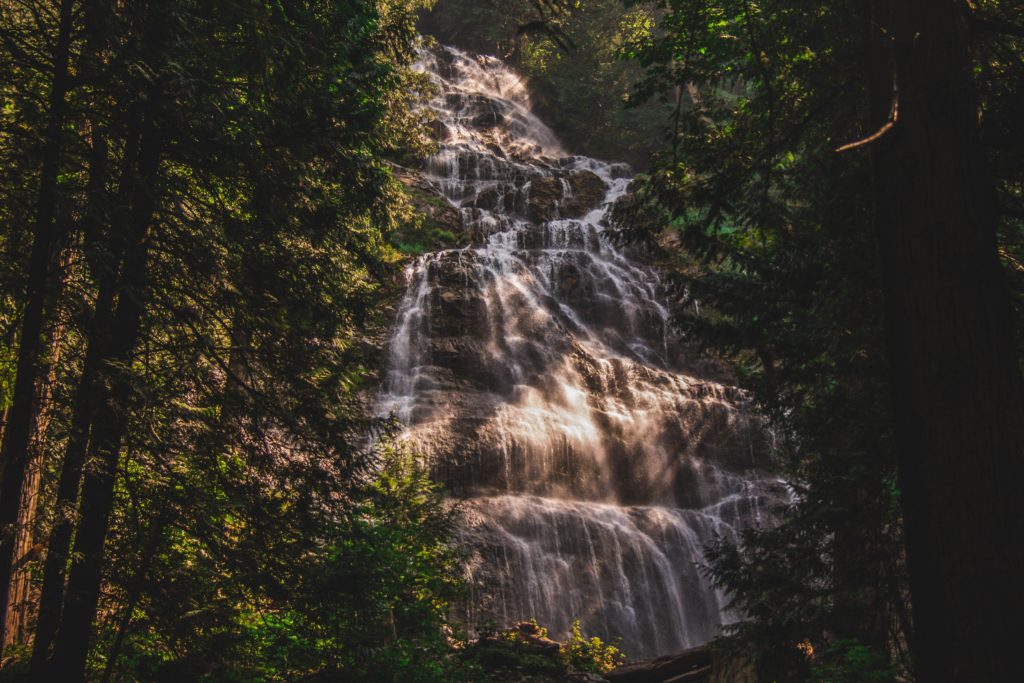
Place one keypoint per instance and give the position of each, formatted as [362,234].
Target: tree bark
[86,396]
[109,426]
[20,605]
[958,398]
[14,452]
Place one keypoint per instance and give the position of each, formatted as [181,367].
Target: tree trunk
[86,397]
[109,425]
[958,398]
[20,605]
[14,452]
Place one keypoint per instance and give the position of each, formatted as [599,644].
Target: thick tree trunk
[19,608]
[86,397]
[58,548]
[109,426]
[14,453]
[956,386]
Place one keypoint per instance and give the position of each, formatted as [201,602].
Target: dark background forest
[202,232]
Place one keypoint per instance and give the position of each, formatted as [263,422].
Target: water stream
[538,370]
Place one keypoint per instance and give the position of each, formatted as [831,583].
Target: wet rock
[446,63]
[537,372]
[545,193]
[549,199]
[588,191]
[487,119]
[492,199]
[488,114]
[619,171]
[569,277]
[455,100]
[438,130]
[441,215]
[434,214]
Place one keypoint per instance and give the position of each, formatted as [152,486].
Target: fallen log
[689,666]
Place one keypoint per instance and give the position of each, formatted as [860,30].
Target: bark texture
[21,603]
[14,452]
[956,384]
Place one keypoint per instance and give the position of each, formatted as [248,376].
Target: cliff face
[537,367]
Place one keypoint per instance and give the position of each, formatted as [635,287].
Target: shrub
[590,654]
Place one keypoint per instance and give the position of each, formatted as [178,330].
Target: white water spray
[534,367]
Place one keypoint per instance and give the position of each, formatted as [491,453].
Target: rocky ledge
[570,195]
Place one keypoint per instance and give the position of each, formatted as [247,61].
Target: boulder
[491,199]
[545,193]
[548,199]
[585,677]
[441,215]
[488,114]
[438,130]
[588,191]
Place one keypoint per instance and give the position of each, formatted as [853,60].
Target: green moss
[422,232]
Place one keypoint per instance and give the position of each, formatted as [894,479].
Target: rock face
[570,195]
[588,190]
[537,369]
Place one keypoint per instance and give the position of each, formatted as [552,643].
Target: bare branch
[894,115]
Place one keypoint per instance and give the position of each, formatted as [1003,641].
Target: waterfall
[538,370]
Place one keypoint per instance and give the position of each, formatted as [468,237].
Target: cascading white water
[538,370]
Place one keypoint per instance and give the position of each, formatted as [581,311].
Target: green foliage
[369,603]
[765,233]
[579,82]
[253,534]
[526,653]
[590,654]
[847,661]
[429,225]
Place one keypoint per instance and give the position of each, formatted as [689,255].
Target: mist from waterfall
[538,370]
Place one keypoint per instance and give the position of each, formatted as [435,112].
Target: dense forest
[809,278]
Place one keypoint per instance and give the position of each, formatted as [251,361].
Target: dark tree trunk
[21,601]
[957,390]
[86,397]
[14,452]
[109,426]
